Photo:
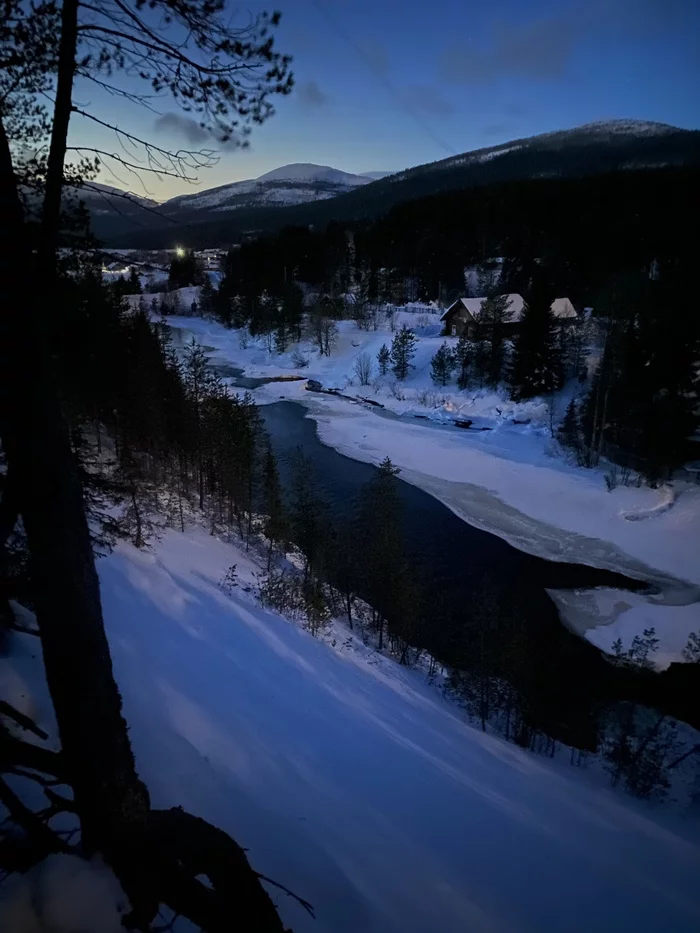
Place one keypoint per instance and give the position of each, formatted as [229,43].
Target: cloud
[540,50]
[175,124]
[376,57]
[182,126]
[428,99]
[311,95]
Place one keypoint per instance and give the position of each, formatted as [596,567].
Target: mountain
[224,215]
[291,184]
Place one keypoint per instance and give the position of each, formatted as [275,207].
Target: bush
[363,368]
[299,360]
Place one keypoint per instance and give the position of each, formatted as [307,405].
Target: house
[462,316]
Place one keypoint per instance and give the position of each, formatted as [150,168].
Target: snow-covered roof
[561,307]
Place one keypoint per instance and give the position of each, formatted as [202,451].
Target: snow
[305,182]
[624,127]
[493,153]
[63,894]
[307,172]
[353,782]
[510,480]
[672,624]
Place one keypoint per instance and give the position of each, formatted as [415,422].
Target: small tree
[207,299]
[464,356]
[384,359]
[134,282]
[363,368]
[442,365]
[323,331]
[568,432]
[494,314]
[402,351]
[276,524]
[536,367]
[691,652]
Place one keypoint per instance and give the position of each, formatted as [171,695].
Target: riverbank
[510,482]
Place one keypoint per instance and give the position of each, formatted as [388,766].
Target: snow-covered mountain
[298,183]
[307,194]
[604,133]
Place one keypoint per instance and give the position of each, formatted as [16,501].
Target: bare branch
[305,904]
[24,721]
[125,196]
[135,168]
[180,154]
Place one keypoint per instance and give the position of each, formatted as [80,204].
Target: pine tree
[442,365]
[207,299]
[464,356]
[384,359]
[494,315]
[691,652]
[183,270]
[402,351]
[568,432]
[276,525]
[380,528]
[134,282]
[536,368]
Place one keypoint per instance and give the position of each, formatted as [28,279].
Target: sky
[386,84]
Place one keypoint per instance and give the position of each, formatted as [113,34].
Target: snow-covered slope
[290,184]
[601,133]
[351,781]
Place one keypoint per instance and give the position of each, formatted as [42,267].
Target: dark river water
[456,563]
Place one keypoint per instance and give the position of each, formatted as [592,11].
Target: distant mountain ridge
[307,194]
[291,184]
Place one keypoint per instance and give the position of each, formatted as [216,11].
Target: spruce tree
[536,367]
[464,356]
[276,525]
[442,365]
[183,270]
[402,351]
[207,299]
[380,528]
[568,433]
[384,359]
[494,315]
[134,282]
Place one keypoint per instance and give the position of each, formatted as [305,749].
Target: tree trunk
[112,801]
[63,105]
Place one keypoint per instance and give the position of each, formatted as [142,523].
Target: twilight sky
[385,84]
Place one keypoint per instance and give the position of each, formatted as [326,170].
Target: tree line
[637,407]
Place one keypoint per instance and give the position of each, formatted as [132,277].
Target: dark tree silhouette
[226,77]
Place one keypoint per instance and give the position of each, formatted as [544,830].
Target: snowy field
[511,480]
[348,778]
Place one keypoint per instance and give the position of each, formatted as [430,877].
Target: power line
[382,78]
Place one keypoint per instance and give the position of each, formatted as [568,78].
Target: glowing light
[180,252]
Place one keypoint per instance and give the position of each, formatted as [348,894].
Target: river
[457,563]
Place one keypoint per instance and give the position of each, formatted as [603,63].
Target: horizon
[383,86]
